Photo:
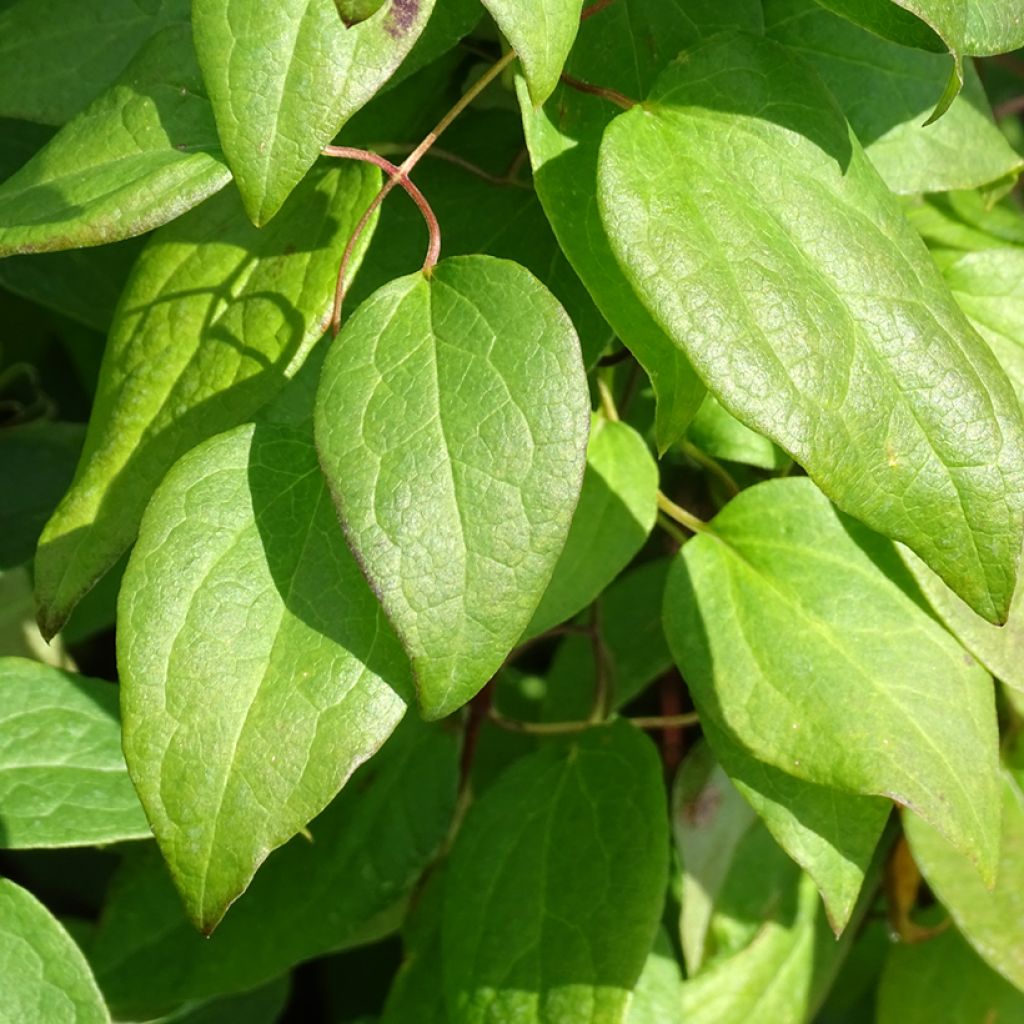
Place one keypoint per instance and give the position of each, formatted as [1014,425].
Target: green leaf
[614,516]
[792,628]
[622,48]
[782,975]
[347,887]
[887,92]
[943,980]
[262,1005]
[830,833]
[140,155]
[63,780]
[556,884]
[38,461]
[283,78]
[542,33]
[989,286]
[258,670]
[965,221]
[720,435]
[57,56]
[46,978]
[999,648]
[788,272]
[214,320]
[990,918]
[497,215]
[659,991]
[451,422]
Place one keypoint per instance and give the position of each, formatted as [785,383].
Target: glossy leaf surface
[138,156]
[451,421]
[63,780]
[792,628]
[283,78]
[216,317]
[555,884]
[811,310]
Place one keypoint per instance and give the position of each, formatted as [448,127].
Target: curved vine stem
[400,176]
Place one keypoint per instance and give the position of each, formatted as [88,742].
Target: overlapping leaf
[451,422]
[614,516]
[258,671]
[622,48]
[347,887]
[138,156]
[63,780]
[283,78]
[792,628]
[786,270]
[45,977]
[215,319]
[556,884]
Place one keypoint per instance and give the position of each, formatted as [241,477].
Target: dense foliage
[609,616]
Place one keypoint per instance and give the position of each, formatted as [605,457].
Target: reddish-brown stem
[397,177]
[1013,106]
[595,8]
[599,90]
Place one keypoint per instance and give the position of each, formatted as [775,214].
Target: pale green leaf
[887,92]
[944,980]
[138,156]
[615,514]
[786,269]
[720,435]
[556,883]
[56,56]
[622,48]
[347,887]
[542,33]
[451,422]
[658,993]
[965,221]
[63,780]
[792,628]
[257,668]
[781,976]
[283,77]
[991,919]
[45,977]
[215,318]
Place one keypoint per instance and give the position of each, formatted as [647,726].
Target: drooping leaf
[258,671]
[347,887]
[138,156]
[57,56]
[943,979]
[542,33]
[887,92]
[38,461]
[556,883]
[615,514]
[63,780]
[658,993]
[787,271]
[216,317]
[451,422]
[830,833]
[782,975]
[991,919]
[46,980]
[792,628]
[622,48]
[284,77]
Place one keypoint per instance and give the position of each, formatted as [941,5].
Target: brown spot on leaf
[700,811]
[401,17]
